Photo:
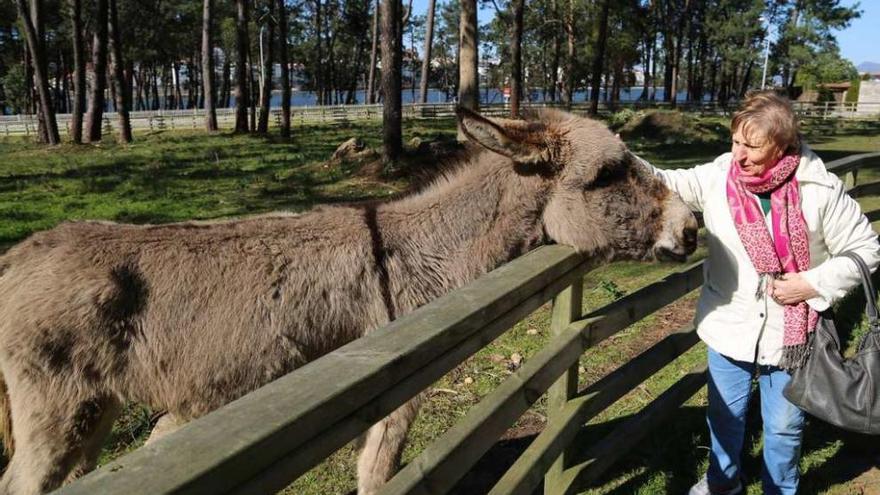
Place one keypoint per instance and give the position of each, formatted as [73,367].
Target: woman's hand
[791,288]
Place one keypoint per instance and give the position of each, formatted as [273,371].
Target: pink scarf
[787,251]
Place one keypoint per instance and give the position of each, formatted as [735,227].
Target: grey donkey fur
[187,317]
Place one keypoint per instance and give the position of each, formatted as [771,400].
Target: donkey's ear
[523,142]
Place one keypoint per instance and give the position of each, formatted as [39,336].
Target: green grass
[176,176]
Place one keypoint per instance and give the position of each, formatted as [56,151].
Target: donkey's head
[602,199]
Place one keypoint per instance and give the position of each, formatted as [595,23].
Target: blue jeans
[729,391]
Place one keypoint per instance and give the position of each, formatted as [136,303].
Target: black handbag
[843,392]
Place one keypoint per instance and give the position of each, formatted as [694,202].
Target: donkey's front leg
[380,457]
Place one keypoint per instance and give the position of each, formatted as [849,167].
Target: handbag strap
[870,294]
[867,285]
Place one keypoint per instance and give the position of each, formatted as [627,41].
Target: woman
[775,220]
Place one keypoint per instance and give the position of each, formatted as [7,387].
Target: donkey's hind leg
[94,442]
[58,433]
[380,457]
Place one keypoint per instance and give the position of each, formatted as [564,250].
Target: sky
[860,42]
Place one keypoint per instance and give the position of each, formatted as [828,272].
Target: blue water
[492,95]
[308,98]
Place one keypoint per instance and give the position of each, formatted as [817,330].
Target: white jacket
[729,316]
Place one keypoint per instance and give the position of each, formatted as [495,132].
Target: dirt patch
[667,320]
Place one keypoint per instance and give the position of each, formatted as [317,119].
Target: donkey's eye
[607,176]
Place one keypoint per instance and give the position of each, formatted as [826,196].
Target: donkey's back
[181,317]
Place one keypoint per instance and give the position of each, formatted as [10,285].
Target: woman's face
[754,151]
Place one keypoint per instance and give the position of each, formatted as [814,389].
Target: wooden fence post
[566,309]
[851,178]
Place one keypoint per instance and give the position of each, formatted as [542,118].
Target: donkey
[187,317]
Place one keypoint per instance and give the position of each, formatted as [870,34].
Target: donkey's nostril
[666,254]
[689,236]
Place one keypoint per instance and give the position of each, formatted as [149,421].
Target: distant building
[869,97]
[830,92]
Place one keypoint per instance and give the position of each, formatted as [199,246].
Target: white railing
[161,120]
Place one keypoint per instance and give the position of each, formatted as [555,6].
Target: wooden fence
[347,114]
[266,439]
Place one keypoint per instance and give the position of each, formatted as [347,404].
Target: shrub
[852,94]
[661,125]
[620,119]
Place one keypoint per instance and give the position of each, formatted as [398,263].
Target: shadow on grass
[20,216]
[818,131]
[671,459]
[674,453]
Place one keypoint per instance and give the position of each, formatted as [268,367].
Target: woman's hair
[772,116]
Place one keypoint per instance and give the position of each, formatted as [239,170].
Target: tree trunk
[155,73]
[63,105]
[357,74]
[285,72]
[178,94]
[208,66]
[224,86]
[168,97]
[426,63]
[691,73]
[371,78]
[554,66]
[79,71]
[36,16]
[266,90]
[789,72]
[138,101]
[254,95]
[747,76]
[568,81]
[468,75]
[40,76]
[516,53]
[329,77]
[655,48]
[669,56]
[154,79]
[122,97]
[193,83]
[702,60]
[99,62]
[599,59]
[392,138]
[319,55]
[676,56]
[241,45]
[30,102]
[646,78]
[673,79]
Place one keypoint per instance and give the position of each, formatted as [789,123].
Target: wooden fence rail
[347,114]
[266,439]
